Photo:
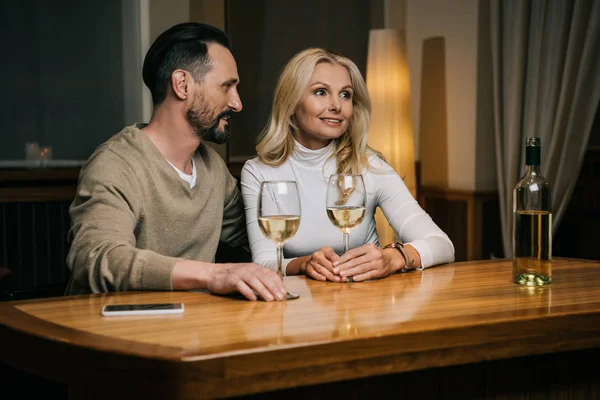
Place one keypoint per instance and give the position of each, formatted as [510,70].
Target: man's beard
[205,127]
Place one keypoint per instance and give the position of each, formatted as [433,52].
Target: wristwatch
[408,262]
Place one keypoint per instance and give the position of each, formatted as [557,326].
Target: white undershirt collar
[191,178]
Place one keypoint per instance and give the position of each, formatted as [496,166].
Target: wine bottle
[532,223]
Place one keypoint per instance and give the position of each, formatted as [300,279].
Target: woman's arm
[413,225]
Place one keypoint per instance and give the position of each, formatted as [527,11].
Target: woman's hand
[368,262]
[319,265]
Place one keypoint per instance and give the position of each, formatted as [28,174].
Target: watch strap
[408,261]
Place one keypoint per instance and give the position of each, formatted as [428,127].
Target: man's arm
[103,256]
[233,229]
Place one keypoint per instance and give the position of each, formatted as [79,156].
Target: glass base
[291,296]
[532,279]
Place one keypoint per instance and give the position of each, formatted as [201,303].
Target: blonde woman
[318,127]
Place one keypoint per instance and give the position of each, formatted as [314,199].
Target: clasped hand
[362,263]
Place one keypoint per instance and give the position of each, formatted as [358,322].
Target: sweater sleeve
[412,224]
[234,223]
[103,256]
[263,250]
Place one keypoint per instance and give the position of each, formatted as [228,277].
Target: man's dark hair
[183,46]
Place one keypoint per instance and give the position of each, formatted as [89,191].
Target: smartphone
[142,309]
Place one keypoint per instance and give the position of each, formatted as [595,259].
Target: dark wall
[578,230]
[62,70]
[267,33]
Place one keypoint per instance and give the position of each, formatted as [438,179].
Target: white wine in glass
[279,217]
[346,202]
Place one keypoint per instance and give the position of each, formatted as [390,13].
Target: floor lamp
[390,128]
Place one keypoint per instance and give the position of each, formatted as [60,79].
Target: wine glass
[279,217]
[346,199]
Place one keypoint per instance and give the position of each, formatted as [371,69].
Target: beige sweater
[133,217]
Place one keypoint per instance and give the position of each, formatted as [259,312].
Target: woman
[318,127]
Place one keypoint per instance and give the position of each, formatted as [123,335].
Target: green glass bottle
[532,223]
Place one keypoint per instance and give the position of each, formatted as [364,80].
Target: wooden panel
[38,185]
[563,376]
[37,194]
[443,316]
[433,123]
[471,220]
[38,175]
[451,217]
[488,229]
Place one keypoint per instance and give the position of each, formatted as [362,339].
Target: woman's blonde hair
[276,141]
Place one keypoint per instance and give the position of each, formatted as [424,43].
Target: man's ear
[179,82]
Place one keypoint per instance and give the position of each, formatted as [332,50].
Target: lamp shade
[390,127]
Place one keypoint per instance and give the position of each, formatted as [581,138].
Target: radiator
[33,245]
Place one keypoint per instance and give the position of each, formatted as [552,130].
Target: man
[154,201]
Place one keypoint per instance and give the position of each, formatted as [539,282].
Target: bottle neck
[532,169]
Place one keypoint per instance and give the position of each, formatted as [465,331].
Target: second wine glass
[346,202]
[279,217]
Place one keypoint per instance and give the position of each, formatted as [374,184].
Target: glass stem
[280,260]
[346,235]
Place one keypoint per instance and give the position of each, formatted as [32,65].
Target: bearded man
[153,202]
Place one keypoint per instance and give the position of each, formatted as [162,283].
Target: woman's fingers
[310,271]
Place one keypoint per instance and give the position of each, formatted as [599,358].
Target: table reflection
[338,311]
[533,300]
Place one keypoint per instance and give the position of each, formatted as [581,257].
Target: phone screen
[140,309]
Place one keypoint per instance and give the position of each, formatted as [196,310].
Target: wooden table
[459,329]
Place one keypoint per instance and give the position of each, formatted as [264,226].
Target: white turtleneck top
[311,169]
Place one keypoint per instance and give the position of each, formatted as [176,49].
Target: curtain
[546,83]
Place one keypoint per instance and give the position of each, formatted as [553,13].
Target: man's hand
[319,265]
[368,262]
[249,279]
